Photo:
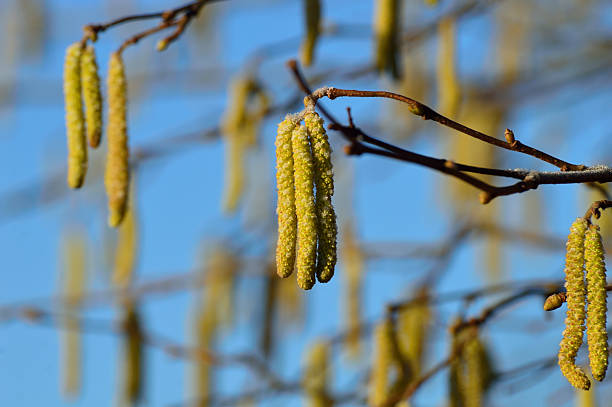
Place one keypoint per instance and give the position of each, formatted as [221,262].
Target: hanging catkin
[305,208]
[234,171]
[574,320]
[353,262]
[312,16]
[386,29]
[449,93]
[92,96]
[597,336]
[287,218]
[381,364]
[75,259]
[317,377]
[117,176]
[413,326]
[75,122]
[133,357]
[327,229]
[126,249]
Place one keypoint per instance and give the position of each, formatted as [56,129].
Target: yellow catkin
[75,122]
[381,364]
[317,377]
[575,316]
[234,172]
[75,275]
[449,92]
[133,355]
[303,169]
[117,174]
[586,398]
[287,218]
[597,336]
[92,96]
[386,30]
[353,261]
[221,269]
[327,229]
[205,331]
[413,330]
[312,20]
[126,252]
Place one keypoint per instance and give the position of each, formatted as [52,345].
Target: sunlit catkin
[317,377]
[381,363]
[312,14]
[327,229]
[574,320]
[126,252]
[597,336]
[133,358]
[449,93]
[75,122]
[478,371]
[234,171]
[305,208]
[413,330]
[117,175]
[353,261]
[92,96]
[287,218]
[386,29]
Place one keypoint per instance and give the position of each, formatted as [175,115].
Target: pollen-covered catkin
[312,14]
[75,122]
[386,29]
[597,336]
[317,375]
[574,320]
[305,208]
[287,219]
[327,229]
[92,96]
[117,174]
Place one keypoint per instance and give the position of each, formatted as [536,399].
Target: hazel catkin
[317,375]
[92,96]
[575,316]
[75,123]
[386,28]
[303,169]
[381,364]
[597,336]
[327,229]
[117,176]
[312,14]
[287,218]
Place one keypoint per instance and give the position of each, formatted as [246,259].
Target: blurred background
[181,304]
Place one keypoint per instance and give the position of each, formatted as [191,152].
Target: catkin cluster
[306,219]
[584,247]
[82,89]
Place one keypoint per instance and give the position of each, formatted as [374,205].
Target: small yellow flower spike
[597,336]
[303,169]
[381,364]
[317,375]
[574,320]
[75,123]
[117,175]
[287,218]
[386,29]
[312,12]
[92,96]
[327,229]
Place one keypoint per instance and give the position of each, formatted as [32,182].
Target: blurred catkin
[449,91]
[327,229]
[353,262]
[287,218]
[597,336]
[574,320]
[75,121]
[133,355]
[381,364]
[312,20]
[117,174]
[386,31]
[317,375]
[413,331]
[127,248]
[303,169]
[74,276]
[234,172]
[92,96]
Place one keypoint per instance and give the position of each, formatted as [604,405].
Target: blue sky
[179,197]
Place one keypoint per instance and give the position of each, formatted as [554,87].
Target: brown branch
[595,209]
